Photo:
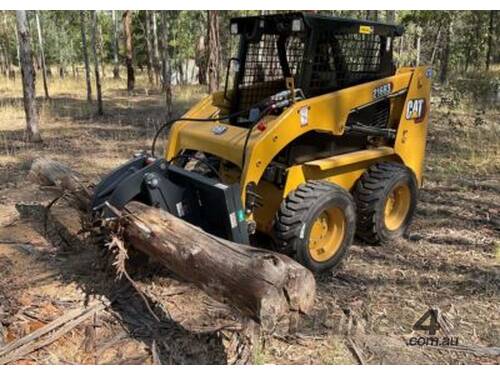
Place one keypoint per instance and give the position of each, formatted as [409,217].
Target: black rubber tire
[370,195]
[298,212]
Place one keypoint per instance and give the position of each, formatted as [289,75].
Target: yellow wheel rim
[397,206]
[327,234]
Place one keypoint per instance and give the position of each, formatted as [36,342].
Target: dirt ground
[365,310]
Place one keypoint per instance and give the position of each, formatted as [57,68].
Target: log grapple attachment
[205,202]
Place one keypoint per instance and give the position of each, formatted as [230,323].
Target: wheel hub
[327,234]
[397,207]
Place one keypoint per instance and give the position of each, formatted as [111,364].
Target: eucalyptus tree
[28,76]
[85,56]
[95,25]
[42,54]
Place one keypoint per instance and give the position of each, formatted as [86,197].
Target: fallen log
[268,287]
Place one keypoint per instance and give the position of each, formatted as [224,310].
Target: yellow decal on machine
[364,29]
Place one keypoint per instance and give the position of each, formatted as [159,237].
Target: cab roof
[282,22]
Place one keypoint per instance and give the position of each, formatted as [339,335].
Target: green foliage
[467,44]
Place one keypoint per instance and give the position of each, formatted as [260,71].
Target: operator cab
[314,53]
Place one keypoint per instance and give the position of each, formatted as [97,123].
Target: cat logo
[415,110]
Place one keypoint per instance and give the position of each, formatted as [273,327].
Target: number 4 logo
[415,110]
[433,326]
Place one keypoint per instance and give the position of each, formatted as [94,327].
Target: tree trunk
[42,54]
[3,59]
[436,43]
[127,29]
[18,52]
[268,287]
[114,42]
[100,47]
[390,16]
[417,58]
[156,53]
[468,53]
[443,74]
[213,52]
[100,110]
[149,49]
[180,69]
[85,56]
[166,64]
[490,39]
[28,75]
[62,70]
[201,61]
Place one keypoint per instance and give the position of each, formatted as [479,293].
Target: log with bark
[268,287]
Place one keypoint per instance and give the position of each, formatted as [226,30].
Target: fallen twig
[154,353]
[64,324]
[13,242]
[121,255]
[356,351]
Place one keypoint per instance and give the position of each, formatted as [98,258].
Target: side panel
[412,131]
[326,113]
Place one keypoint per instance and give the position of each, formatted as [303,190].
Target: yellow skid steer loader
[315,138]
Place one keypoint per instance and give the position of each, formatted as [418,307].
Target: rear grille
[376,115]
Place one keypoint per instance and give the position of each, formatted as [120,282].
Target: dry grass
[71,130]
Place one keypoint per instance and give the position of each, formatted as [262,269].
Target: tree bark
[18,52]
[28,75]
[116,64]
[166,64]
[490,39]
[98,89]
[156,53]
[85,56]
[417,58]
[62,69]
[100,47]
[127,29]
[268,287]
[149,49]
[201,61]
[42,54]
[213,41]
[436,43]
